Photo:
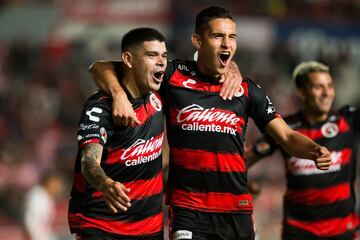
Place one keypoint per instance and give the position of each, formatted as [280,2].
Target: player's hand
[322,158]
[231,82]
[123,113]
[115,195]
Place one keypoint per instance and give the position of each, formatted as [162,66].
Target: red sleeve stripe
[319,196]
[212,201]
[83,144]
[141,188]
[245,86]
[208,161]
[146,226]
[328,227]
[315,134]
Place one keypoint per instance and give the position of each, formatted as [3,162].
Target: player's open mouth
[224,57]
[158,76]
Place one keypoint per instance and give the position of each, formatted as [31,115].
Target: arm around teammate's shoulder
[105,76]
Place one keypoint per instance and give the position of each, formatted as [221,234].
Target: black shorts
[97,234]
[293,233]
[189,224]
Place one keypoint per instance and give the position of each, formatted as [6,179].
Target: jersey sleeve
[261,109]
[169,71]
[265,146]
[95,121]
[352,114]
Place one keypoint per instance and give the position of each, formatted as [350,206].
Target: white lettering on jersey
[197,118]
[87,127]
[142,151]
[299,166]
[183,67]
[91,116]
[195,113]
[182,234]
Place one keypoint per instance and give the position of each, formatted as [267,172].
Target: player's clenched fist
[322,158]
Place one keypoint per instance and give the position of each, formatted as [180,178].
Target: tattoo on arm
[90,165]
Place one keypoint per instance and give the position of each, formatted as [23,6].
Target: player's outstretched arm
[115,193]
[231,82]
[104,75]
[298,145]
[259,149]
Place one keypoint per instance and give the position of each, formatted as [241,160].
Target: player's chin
[155,86]
[222,69]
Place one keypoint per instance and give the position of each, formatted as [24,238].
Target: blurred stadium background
[46,47]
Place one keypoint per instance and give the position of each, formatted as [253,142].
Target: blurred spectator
[39,208]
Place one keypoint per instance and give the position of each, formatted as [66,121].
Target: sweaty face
[319,93]
[149,65]
[217,46]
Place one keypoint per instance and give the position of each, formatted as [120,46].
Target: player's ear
[300,92]
[127,59]
[196,41]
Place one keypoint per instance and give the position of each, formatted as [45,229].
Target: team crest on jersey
[330,130]
[155,102]
[103,134]
[240,93]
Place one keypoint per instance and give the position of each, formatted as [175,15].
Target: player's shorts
[97,234]
[189,224]
[293,233]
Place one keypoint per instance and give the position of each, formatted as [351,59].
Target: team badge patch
[155,102]
[329,130]
[240,93]
[103,134]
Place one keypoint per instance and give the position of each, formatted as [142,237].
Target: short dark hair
[301,72]
[137,36]
[208,14]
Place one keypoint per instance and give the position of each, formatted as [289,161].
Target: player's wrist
[105,184]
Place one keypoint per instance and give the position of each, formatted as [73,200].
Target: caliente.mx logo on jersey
[142,151]
[198,118]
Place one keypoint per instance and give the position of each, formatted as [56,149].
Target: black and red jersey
[206,137]
[131,156]
[323,202]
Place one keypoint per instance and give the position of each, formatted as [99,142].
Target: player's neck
[314,118]
[132,86]
[204,69]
